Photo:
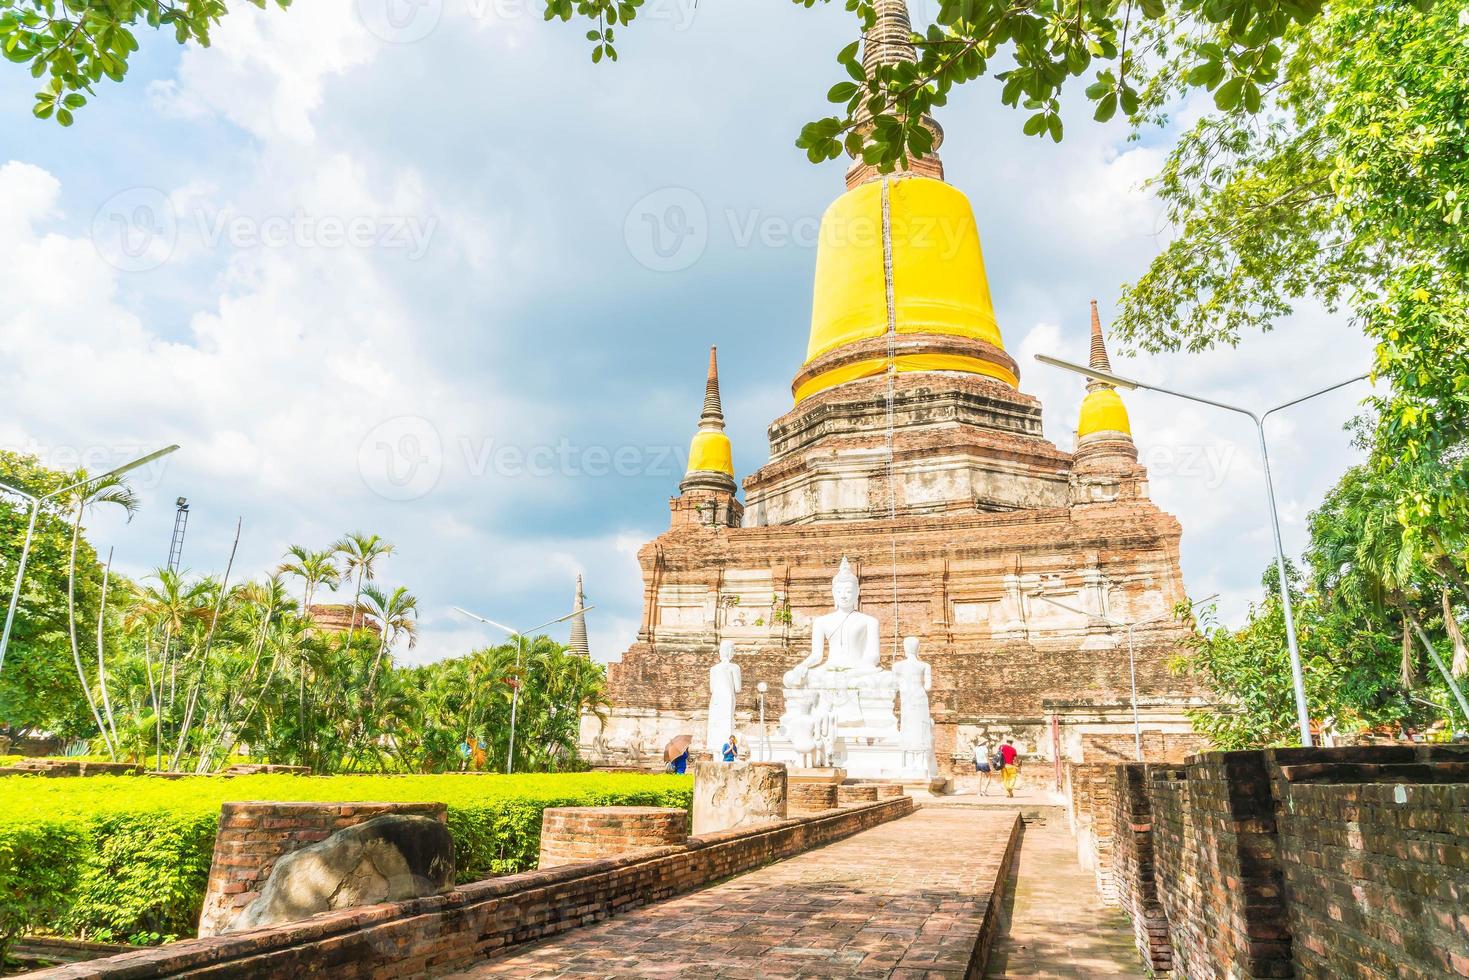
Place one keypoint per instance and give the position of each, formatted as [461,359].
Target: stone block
[587,833]
[738,794]
[391,858]
[856,793]
[806,798]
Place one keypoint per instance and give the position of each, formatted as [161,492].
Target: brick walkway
[903,900]
[1052,924]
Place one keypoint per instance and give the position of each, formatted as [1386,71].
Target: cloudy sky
[417,267]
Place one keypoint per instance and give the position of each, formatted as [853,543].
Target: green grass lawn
[126,858]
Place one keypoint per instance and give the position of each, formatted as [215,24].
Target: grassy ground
[126,858]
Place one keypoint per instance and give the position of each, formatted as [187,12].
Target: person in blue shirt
[731,750]
[681,764]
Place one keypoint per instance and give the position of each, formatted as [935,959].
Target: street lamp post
[36,503]
[1137,728]
[519,651]
[760,690]
[1298,681]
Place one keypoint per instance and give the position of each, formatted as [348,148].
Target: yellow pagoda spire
[711,461]
[1102,413]
[900,278]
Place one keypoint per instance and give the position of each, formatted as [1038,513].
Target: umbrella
[676,747]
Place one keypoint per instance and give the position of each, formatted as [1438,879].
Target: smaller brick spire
[890,42]
[578,644]
[713,414]
[1099,347]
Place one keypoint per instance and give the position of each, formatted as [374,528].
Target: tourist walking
[1010,761]
[982,766]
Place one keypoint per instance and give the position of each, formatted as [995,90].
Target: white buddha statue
[844,644]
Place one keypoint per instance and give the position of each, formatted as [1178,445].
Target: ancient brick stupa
[912,451]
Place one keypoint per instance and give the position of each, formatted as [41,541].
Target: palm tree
[105,490]
[397,616]
[361,552]
[314,569]
[268,605]
[165,610]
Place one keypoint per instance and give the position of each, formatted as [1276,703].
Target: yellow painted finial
[711,459]
[1102,411]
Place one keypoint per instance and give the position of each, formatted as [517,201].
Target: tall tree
[360,554]
[37,685]
[1348,189]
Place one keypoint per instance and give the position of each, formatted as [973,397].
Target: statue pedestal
[825,774]
[859,757]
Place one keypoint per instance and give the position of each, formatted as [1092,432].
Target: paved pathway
[1052,923]
[904,900]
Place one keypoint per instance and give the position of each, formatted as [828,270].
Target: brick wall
[1375,852]
[585,833]
[806,798]
[1173,747]
[253,836]
[1319,863]
[1227,910]
[434,935]
[1133,868]
[1090,790]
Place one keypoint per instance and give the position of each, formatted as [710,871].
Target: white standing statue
[915,726]
[724,684]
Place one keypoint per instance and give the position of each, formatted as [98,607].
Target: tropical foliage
[126,858]
[1347,190]
[184,672]
[1368,610]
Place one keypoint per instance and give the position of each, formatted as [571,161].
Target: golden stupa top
[899,257]
[710,451]
[1102,410]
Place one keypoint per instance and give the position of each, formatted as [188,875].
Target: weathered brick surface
[253,836]
[1173,747]
[856,793]
[1133,869]
[805,798]
[1320,863]
[585,833]
[1217,862]
[900,900]
[1090,789]
[429,936]
[1376,870]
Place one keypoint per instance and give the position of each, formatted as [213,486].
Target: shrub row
[126,858]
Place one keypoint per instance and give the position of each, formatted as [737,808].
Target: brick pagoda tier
[911,451]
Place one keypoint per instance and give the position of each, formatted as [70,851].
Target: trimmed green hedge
[126,858]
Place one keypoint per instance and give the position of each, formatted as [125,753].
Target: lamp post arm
[1296,401]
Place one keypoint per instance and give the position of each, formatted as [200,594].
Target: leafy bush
[126,858]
